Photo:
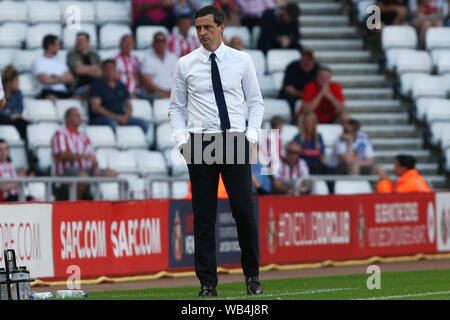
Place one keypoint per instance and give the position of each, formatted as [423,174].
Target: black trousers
[236,177]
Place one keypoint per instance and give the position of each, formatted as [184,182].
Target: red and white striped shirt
[285,172]
[75,142]
[181,46]
[128,69]
[7,170]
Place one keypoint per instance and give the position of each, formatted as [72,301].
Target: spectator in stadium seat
[74,154]
[236,43]
[353,151]
[9,191]
[393,12]
[52,74]
[324,97]
[12,111]
[85,64]
[2,95]
[180,41]
[313,148]
[252,11]
[158,67]
[291,168]
[186,8]
[128,67]
[296,76]
[230,10]
[276,123]
[261,182]
[110,101]
[409,178]
[426,13]
[280,28]
[153,13]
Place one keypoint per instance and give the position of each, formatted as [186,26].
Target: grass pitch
[433,284]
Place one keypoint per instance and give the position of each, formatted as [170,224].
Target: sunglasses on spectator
[160,40]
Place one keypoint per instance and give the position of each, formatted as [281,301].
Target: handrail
[72,181]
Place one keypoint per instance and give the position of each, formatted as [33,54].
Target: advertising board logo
[361,227]
[431,223]
[444,226]
[271,233]
[177,238]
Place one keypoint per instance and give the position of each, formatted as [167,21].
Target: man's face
[3,151]
[324,78]
[74,120]
[184,25]
[285,17]
[55,47]
[399,170]
[109,71]
[236,43]
[293,154]
[127,44]
[307,64]
[208,32]
[82,44]
[159,44]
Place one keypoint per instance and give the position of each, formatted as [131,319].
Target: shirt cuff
[252,135]
[180,137]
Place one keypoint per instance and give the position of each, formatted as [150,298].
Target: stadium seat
[406,81]
[447,159]
[276,107]
[23,60]
[122,161]
[6,57]
[352,187]
[258,60]
[70,35]
[13,35]
[102,155]
[40,134]
[391,57]
[14,11]
[159,190]
[443,63]
[413,61]
[87,11]
[140,54]
[428,86]
[39,110]
[278,59]
[101,136]
[44,12]
[63,104]
[44,157]
[163,136]
[142,109]
[329,132]
[112,12]
[136,186]
[161,110]
[144,35]
[278,78]
[319,187]
[288,133]
[445,136]
[109,191]
[18,155]
[36,190]
[399,37]
[129,137]
[110,35]
[437,38]
[421,105]
[267,86]
[26,84]
[438,110]
[436,130]
[180,189]
[108,53]
[176,162]
[256,32]
[11,135]
[239,31]
[150,162]
[36,33]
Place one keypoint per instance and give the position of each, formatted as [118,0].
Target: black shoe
[207,291]
[254,286]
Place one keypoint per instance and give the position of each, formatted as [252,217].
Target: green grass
[434,284]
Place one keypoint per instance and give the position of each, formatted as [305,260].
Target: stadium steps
[362,105]
[381,118]
[349,56]
[423,168]
[397,143]
[327,32]
[368,93]
[387,155]
[333,44]
[323,20]
[353,68]
[320,7]
[390,131]
[356,81]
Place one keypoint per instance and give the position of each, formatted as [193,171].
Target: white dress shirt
[2,94]
[193,106]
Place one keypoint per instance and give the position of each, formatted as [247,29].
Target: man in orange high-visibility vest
[410,180]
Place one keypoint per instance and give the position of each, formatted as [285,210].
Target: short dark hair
[49,40]
[406,161]
[216,12]
[106,61]
[184,17]
[324,68]
[292,10]
[3,141]
[354,124]
[82,33]
[276,121]
[69,111]
[159,33]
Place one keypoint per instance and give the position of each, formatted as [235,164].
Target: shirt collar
[72,130]
[220,52]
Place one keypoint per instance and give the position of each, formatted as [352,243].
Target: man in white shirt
[211,87]
[2,95]
[157,68]
[51,74]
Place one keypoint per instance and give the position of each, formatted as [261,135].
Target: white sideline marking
[288,293]
[407,295]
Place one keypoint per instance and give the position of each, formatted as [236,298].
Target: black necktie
[218,93]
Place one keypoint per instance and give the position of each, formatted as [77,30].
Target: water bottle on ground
[41,296]
[65,294]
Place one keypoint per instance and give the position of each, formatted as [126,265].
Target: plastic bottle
[64,294]
[41,295]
